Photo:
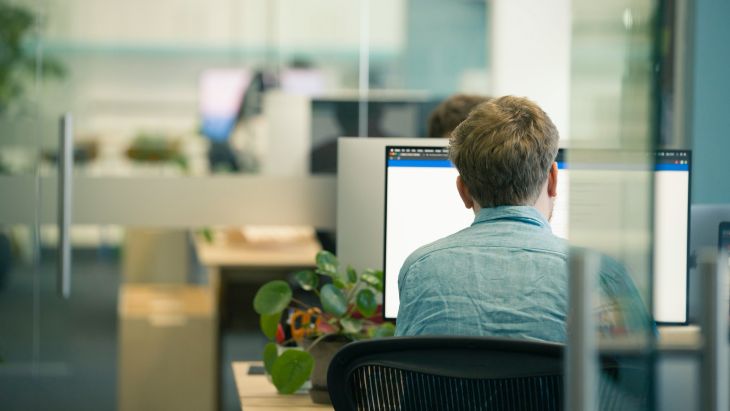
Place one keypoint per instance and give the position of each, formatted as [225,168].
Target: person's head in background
[505,153]
[451,112]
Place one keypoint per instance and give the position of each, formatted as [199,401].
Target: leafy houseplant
[349,311]
[18,63]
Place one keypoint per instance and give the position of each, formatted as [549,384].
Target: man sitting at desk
[507,274]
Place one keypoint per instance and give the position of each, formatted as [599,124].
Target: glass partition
[617,204]
[188,117]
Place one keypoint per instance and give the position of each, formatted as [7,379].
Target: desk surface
[224,253]
[680,337]
[258,394]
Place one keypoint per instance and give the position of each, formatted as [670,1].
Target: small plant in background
[348,310]
[156,148]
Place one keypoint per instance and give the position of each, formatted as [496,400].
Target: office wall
[288,24]
[441,55]
[711,108]
[530,44]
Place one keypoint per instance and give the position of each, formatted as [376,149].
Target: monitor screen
[724,246]
[724,241]
[334,118]
[221,96]
[422,205]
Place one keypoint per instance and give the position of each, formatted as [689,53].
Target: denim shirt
[506,276]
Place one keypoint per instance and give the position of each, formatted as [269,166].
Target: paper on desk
[263,234]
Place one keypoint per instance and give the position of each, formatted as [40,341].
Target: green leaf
[327,263]
[383,330]
[307,279]
[207,234]
[337,282]
[333,300]
[270,356]
[351,325]
[373,278]
[291,370]
[366,302]
[269,323]
[272,297]
[351,275]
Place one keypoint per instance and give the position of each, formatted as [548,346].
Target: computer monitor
[221,96]
[705,220]
[723,244]
[337,117]
[724,238]
[422,205]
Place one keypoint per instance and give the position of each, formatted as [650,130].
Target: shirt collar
[526,214]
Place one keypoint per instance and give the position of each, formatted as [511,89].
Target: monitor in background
[422,205]
[705,220]
[333,118]
[724,247]
[724,238]
[221,96]
[361,197]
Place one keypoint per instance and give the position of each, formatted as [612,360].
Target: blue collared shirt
[506,276]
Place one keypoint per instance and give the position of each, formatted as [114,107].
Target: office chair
[459,373]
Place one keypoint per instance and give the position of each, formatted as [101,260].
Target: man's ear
[464,193]
[552,186]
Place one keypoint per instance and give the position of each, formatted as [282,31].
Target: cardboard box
[167,348]
[153,255]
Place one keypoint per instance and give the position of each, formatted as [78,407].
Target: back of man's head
[504,151]
[451,112]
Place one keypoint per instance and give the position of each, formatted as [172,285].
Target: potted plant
[19,62]
[347,310]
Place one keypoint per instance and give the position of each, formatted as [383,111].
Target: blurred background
[205,159]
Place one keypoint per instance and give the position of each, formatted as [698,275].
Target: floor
[62,354]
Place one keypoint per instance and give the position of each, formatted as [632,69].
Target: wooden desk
[228,261]
[680,338]
[258,394]
[222,253]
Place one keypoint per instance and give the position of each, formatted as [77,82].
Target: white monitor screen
[221,95]
[422,205]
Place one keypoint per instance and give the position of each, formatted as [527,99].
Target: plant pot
[323,352]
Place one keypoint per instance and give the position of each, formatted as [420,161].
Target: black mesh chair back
[457,373]
[447,373]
